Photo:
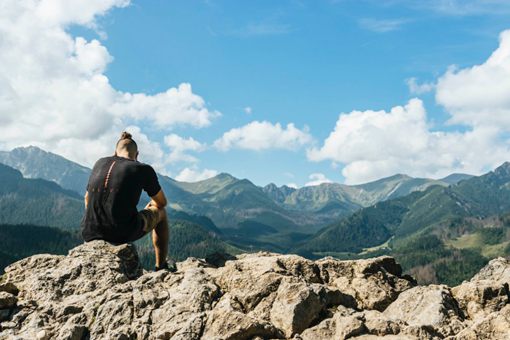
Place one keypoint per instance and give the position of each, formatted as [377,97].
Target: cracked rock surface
[99,291]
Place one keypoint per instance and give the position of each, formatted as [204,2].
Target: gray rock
[495,325]
[497,270]
[486,292]
[99,291]
[374,283]
[7,300]
[337,327]
[428,306]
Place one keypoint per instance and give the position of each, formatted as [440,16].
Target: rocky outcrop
[99,291]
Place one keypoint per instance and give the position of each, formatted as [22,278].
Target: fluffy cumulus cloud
[195,175]
[375,144]
[264,135]
[180,146]
[479,95]
[372,144]
[417,88]
[317,179]
[54,93]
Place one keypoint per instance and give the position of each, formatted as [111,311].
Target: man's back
[114,189]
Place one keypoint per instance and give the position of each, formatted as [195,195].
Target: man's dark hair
[127,143]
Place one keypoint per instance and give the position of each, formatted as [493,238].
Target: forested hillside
[427,231]
[19,241]
[37,201]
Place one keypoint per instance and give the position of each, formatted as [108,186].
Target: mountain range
[269,217]
[441,218]
[34,162]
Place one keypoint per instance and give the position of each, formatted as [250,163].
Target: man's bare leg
[160,237]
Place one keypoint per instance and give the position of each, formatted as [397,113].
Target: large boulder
[428,306]
[286,290]
[495,325]
[485,301]
[375,283]
[487,291]
[337,327]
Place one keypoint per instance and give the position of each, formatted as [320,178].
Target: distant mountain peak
[34,162]
[396,176]
[505,165]
[455,178]
[224,175]
[503,169]
[30,148]
[271,186]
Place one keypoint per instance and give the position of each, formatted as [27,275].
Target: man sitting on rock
[113,191]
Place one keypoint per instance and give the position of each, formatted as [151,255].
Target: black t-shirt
[114,188]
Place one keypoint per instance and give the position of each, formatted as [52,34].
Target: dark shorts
[147,221]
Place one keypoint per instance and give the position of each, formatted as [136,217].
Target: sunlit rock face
[99,291]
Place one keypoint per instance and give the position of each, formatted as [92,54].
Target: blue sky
[296,62]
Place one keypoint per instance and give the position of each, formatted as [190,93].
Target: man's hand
[158,200]
[86,199]
[150,204]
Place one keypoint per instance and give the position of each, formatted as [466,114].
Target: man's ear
[136,157]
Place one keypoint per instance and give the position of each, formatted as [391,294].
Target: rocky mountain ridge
[249,216]
[99,291]
[234,204]
[34,162]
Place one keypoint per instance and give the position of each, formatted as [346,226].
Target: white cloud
[375,134]
[416,88]
[248,110]
[176,106]
[149,151]
[65,12]
[179,146]
[264,135]
[375,144]
[195,175]
[382,25]
[292,185]
[53,90]
[479,95]
[317,179]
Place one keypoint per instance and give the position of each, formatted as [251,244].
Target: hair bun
[125,135]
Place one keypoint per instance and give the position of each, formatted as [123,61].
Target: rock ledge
[99,291]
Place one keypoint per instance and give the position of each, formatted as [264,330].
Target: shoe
[168,265]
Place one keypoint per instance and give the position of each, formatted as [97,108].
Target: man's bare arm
[158,200]
[86,199]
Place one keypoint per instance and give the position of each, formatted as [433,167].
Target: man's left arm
[153,189]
